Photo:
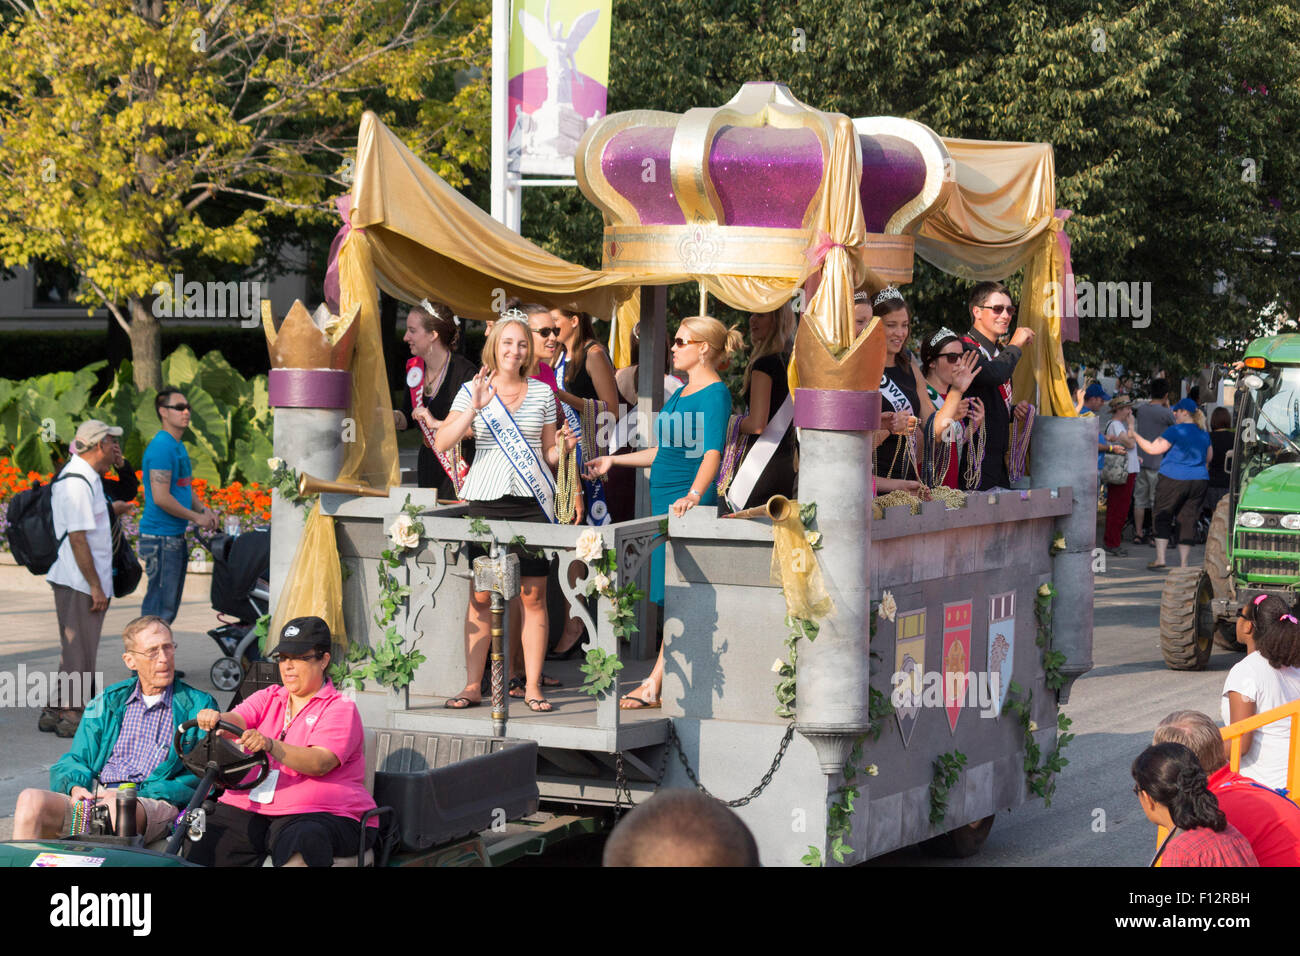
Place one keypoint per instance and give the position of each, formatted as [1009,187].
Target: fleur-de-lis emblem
[698,249]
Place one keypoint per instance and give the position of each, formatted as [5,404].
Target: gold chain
[566,483]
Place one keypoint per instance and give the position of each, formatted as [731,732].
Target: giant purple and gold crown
[738,189]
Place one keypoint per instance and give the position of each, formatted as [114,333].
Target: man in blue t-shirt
[168,507]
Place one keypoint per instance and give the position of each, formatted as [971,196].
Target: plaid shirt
[144,740]
[1203,847]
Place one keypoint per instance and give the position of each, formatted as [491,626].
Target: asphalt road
[1094,819]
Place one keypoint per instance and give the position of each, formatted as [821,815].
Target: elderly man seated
[125,736]
[1267,819]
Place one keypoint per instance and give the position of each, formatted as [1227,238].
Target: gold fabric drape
[314,585]
[795,567]
[1000,218]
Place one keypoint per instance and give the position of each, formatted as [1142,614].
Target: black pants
[236,837]
[1180,500]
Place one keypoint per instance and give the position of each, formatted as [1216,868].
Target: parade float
[780,691]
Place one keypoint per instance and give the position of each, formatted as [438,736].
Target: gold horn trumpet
[311,485]
[777,508]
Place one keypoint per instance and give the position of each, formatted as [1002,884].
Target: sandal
[633,702]
[461,703]
[1157,567]
[542,706]
[519,684]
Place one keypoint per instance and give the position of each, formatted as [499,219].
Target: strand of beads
[975,457]
[566,483]
[731,457]
[1020,445]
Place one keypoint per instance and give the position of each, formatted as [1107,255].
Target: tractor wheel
[960,843]
[1186,619]
[1220,572]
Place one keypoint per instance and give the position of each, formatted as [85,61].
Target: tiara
[863,296]
[514,314]
[944,333]
[428,307]
[885,294]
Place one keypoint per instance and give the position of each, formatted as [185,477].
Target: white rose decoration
[275,464]
[591,547]
[888,607]
[403,534]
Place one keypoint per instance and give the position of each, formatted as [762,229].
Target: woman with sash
[690,433]
[434,374]
[586,383]
[901,389]
[767,467]
[947,367]
[511,478]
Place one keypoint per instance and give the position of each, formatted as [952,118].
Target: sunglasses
[952,357]
[546,333]
[682,343]
[300,658]
[999,309]
[178,408]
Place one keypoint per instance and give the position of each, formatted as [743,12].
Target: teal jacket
[97,735]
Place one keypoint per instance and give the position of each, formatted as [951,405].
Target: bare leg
[1161,545]
[573,626]
[478,641]
[1139,517]
[516,640]
[533,594]
[1184,552]
[650,688]
[39,814]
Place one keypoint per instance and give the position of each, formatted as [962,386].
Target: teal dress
[687,428]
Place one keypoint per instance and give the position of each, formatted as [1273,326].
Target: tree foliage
[1152,107]
[181,136]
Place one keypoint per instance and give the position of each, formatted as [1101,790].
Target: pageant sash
[501,426]
[452,464]
[759,454]
[895,395]
[597,507]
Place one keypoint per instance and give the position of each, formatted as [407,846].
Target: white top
[1119,430]
[491,475]
[80,508]
[1256,679]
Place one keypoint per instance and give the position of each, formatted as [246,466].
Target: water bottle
[232,526]
[126,797]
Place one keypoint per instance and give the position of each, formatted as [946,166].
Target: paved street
[1114,708]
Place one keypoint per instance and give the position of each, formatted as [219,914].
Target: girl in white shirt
[1268,677]
[496,489]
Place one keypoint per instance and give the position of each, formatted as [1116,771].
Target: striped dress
[491,475]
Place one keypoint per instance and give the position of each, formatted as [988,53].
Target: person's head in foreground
[681,828]
[1198,733]
[1172,787]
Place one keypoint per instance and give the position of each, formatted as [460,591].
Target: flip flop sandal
[539,706]
[461,703]
[1157,567]
[516,684]
[639,703]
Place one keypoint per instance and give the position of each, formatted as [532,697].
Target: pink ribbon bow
[344,205]
[816,254]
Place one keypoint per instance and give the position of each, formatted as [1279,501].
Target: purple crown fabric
[893,173]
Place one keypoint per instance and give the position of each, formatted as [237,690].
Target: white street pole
[500,103]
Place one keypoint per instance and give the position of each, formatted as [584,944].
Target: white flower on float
[888,606]
[591,546]
[402,532]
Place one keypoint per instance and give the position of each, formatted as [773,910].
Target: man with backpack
[82,573]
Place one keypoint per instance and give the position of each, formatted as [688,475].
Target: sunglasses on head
[183,407]
[546,333]
[999,309]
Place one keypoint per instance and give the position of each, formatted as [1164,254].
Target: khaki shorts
[159,815]
[1144,488]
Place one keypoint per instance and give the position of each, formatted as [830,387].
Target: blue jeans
[165,560]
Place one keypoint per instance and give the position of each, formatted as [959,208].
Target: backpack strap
[62,475]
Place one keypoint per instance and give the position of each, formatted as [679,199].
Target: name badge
[264,792]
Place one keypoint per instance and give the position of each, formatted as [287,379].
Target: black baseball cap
[303,635]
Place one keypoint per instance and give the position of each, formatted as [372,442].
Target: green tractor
[1253,545]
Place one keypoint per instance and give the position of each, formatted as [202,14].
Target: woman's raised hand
[481,388]
[964,371]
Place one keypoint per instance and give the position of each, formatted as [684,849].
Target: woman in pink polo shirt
[308,809]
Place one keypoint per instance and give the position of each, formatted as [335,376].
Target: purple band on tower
[309,388]
[836,410]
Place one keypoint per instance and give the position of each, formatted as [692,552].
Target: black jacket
[988,388]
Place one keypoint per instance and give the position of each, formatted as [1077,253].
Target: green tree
[1151,105]
[178,136]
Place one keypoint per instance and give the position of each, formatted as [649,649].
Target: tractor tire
[1186,619]
[1220,572]
[961,843]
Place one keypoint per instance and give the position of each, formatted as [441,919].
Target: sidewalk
[29,636]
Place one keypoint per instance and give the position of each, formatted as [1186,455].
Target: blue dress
[687,428]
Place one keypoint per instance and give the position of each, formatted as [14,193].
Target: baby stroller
[241,569]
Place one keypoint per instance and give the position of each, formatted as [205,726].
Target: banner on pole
[559,73]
